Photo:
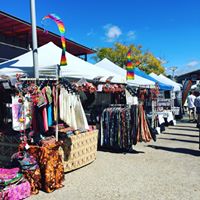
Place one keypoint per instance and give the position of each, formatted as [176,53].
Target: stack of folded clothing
[13,185]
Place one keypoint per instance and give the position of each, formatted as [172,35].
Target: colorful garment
[51,166]
[21,112]
[35,180]
[16,192]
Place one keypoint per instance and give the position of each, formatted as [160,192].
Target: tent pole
[34,38]
[57,99]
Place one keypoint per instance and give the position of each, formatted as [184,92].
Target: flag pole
[34,38]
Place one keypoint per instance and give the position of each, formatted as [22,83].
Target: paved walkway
[168,169]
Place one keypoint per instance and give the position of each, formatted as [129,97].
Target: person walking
[197,104]
[191,107]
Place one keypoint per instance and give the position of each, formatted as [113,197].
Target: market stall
[36,109]
[169,102]
[123,125]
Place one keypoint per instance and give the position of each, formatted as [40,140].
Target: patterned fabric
[117,127]
[16,192]
[24,160]
[20,113]
[51,166]
[34,176]
[9,176]
[122,127]
[35,180]
[134,122]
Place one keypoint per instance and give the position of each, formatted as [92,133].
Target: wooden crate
[79,150]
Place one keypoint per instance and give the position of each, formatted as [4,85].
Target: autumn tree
[146,60]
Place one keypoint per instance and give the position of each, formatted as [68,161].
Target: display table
[79,150]
[76,150]
[166,114]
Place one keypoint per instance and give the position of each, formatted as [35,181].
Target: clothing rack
[57,82]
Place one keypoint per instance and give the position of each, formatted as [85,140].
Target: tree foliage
[148,62]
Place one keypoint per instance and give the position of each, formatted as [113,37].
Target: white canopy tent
[165,80]
[112,67]
[48,59]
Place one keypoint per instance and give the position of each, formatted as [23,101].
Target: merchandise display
[38,109]
[123,126]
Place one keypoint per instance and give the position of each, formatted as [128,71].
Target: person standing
[197,104]
[191,107]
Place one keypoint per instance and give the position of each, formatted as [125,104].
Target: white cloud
[193,63]
[112,32]
[189,67]
[131,35]
[91,32]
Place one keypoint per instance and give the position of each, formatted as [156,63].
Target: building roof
[193,75]
[11,26]
[190,73]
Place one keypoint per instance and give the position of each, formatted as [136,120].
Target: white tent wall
[138,80]
[49,55]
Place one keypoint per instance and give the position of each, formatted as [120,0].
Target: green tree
[143,60]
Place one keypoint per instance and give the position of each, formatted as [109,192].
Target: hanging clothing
[49,115]
[122,127]
[116,128]
[21,112]
[71,110]
[144,134]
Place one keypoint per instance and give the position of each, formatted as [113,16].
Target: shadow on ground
[183,126]
[121,151]
[180,140]
[184,129]
[180,134]
[177,150]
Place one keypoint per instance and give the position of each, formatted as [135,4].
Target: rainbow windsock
[129,67]
[61,28]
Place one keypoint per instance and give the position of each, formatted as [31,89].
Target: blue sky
[170,29]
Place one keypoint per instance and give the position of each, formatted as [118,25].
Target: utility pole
[34,38]
[173,70]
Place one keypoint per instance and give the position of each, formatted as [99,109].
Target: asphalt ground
[168,169]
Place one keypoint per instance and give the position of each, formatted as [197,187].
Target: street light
[173,70]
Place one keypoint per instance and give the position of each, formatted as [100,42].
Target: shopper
[191,106]
[197,104]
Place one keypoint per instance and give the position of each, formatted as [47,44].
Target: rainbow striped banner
[129,67]
[61,28]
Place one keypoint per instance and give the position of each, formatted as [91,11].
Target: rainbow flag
[61,28]
[129,67]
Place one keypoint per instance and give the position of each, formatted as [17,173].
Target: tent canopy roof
[161,85]
[49,55]
[138,80]
[165,80]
